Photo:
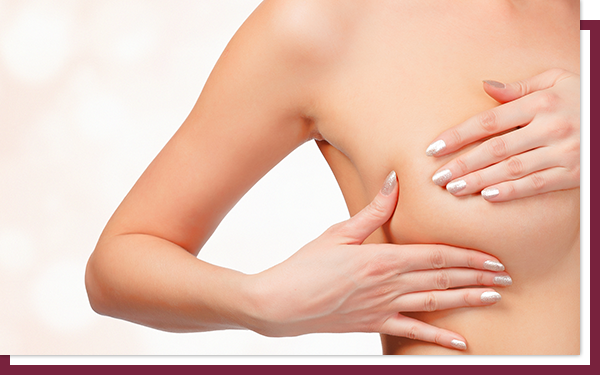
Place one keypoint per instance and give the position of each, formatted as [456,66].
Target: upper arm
[253,111]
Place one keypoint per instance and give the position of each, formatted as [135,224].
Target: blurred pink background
[90,91]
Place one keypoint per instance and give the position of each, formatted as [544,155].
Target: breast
[380,121]
[529,235]
[537,238]
[381,109]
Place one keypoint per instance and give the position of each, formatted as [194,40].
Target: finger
[444,300]
[482,125]
[360,226]
[496,120]
[511,91]
[427,257]
[448,278]
[403,326]
[491,151]
[536,183]
[510,169]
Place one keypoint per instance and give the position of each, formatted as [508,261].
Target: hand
[542,155]
[338,284]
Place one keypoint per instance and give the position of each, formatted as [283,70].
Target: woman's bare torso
[409,70]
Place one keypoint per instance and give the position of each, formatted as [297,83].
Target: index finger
[424,257]
[482,125]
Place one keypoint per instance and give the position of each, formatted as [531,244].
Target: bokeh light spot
[38,42]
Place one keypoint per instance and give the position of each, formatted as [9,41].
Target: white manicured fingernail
[493,266]
[490,193]
[456,186]
[389,184]
[458,344]
[503,280]
[436,147]
[490,297]
[442,177]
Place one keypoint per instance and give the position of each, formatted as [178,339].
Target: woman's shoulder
[311,30]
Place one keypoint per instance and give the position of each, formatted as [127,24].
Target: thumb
[361,225]
[510,91]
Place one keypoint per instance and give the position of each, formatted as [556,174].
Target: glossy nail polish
[436,147]
[456,186]
[389,184]
[488,193]
[503,280]
[490,297]
[458,344]
[493,266]
[442,177]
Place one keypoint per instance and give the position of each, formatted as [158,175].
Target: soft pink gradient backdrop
[90,91]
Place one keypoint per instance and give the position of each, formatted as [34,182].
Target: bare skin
[386,102]
[374,86]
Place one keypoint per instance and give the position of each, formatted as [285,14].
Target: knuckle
[456,136]
[538,181]
[437,259]
[510,190]
[467,299]
[430,303]
[574,147]
[382,290]
[562,129]
[480,278]
[401,265]
[515,167]
[522,87]
[488,120]
[439,337]
[471,261]
[376,267]
[442,280]
[497,147]
[379,264]
[477,178]
[462,165]
[376,208]
[411,332]
[545,101]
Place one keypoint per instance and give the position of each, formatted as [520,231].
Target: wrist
[258,307]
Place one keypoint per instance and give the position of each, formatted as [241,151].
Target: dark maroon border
[265,369]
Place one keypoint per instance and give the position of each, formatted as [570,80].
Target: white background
[89,93]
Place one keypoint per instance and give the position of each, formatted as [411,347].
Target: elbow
[96,287]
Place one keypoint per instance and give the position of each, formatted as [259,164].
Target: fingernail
[496,84]
[442,177]
[389,184]
[502,280]
[458,344]
[493,266]
[456,186]
[436,147]
[490,297]
[490,193]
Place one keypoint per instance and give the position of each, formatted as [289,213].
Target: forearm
[332,284]
[151,281]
